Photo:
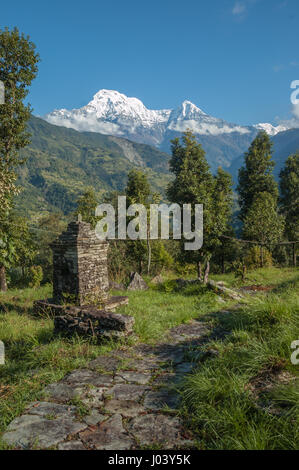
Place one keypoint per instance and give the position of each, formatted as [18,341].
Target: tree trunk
[199,271]
[149,254]
[262,257]
[222,264]
[294,255]
[207,270]
[244,273]
[3,284]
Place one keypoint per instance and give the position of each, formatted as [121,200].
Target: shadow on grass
[283,286]
[7,307]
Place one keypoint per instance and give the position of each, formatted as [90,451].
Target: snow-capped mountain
[113,113]
[270,129]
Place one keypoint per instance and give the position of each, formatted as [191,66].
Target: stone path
[124,400]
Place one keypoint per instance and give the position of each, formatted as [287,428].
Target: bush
[35,276]
[252,259]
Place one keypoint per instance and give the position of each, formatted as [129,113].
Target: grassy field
[224,396]
[248,396]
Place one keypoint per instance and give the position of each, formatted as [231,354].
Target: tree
[49,227]
[256,175]
[289,199]
[195,184]
[18,67]
[262,222]
[17,247]
[86,206]
[138,191]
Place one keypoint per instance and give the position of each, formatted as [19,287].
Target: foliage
[35,276]
[86,206]
[17,246]
[289,200]
[138,191]
[256,175]
[195,184]
[66,162]
[262,222]
[240,270]
[252,259]
[48,228]
[18,67]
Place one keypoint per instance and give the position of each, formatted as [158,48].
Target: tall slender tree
[263,223]
[138,191]
[195,184]
[18,67]
[256,176]
[289,199]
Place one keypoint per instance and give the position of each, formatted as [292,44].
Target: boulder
[116,286]
[137,283]
[157,279]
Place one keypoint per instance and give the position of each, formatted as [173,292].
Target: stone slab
[109,435]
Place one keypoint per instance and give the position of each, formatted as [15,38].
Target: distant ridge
[113,113]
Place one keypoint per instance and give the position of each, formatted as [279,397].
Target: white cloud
[85,123]
[292,123]
[239,8]
[206,128]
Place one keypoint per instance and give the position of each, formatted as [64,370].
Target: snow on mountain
[111,112]
[270,129]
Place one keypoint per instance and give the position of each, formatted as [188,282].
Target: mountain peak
[189,110]
[114,113]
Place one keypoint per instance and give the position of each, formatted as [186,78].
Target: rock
[71,445]
[124,391]
[55,410]
[127,408]
[91,321]
[115,301]
[115,286]
[106,363]
[141,378]
[157,400]
[94,418]
[63,393]
[87,377]
[189,331]
[94,397]
[184,368]
[157,279]
[38,432]
[136,282]
[109,435]
[220,289]
[154,429]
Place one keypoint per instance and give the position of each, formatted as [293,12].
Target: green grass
[226,401]
[217,403]
[264,276]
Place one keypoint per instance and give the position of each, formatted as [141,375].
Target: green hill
[61,163]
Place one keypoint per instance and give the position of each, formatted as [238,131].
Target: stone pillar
[80,271]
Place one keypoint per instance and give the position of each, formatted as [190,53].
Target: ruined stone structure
[80,273]
[81,302]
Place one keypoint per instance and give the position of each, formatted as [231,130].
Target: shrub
[35,276]
[253,258]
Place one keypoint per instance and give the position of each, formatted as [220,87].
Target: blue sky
[234,59]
